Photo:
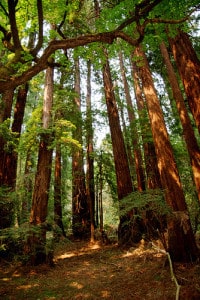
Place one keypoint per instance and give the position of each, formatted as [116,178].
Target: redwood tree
[188,132]
[181,240]
[124,181]
[188,66]
[134,135]
[37,240]
[80,209]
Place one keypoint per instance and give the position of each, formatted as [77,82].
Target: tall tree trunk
[8,164]
[188,66]
[188,132]
[5,113]
[58,191]
[181,240]
[37,240]
[124,183]
[151,164]
[90,157]
[134,134]
[11,156]
[128,145]
[80,209]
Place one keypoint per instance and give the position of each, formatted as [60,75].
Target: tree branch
[42,62]
[3,8]
[13,24]
[6,39]
[35,51]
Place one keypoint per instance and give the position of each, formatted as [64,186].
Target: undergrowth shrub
[150,208]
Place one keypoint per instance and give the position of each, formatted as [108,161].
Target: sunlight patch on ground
[66,255]
[26,286]
[6,279]
[76,285]
[82,251]
[105,294]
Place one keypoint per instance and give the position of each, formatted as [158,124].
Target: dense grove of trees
[71,70]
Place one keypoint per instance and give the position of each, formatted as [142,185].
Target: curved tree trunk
[181,240]
[188,66]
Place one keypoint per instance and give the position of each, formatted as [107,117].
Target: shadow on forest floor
[93,271]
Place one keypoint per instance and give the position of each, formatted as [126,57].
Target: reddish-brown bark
[40,197]
[151,164]
[188,66]
[134,135]
[188,132]
[126,233]
[179,227]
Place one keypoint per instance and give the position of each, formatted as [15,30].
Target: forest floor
[93,271]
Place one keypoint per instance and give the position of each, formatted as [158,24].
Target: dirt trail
[85,271]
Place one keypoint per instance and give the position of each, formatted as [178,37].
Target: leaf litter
[94,271]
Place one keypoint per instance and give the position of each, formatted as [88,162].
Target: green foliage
[10,138]
[152,200]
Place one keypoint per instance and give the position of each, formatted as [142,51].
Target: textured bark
[126,234]
[80,209]
[188,132]
[134,134]
[151,164]
[90,158]
[179,227]
[37,240]
[124,183]
[188,66]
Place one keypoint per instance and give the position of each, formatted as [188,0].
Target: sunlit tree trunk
[151,165]
[80,209]
[90,154]
[188,66]
[37,240]
[134,135]
[181,242]
[188,132]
